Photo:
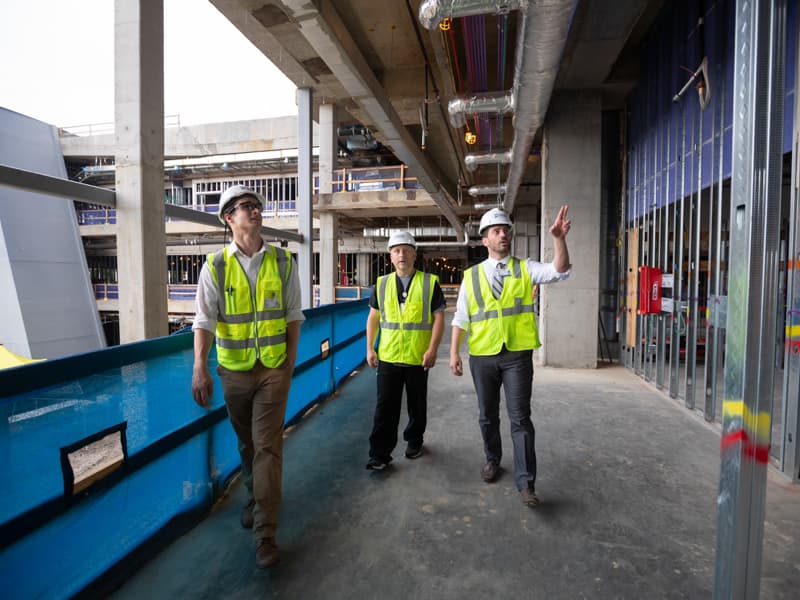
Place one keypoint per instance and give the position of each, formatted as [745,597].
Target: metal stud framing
[677,177]
[750,352]
[790,451]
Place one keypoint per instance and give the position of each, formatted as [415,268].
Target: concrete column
[571,175]
[328,146]
[139,141]
[328,222]
[305,187]
[328,256]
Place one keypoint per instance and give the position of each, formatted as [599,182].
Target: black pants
[391,380]
[514,371]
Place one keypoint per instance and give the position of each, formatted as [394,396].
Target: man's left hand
[429,360]
[560,227]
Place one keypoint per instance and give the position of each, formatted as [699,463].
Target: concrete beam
[416,203]
[235,137]
[404,83]
[323,28]
[55,186]
[269,29]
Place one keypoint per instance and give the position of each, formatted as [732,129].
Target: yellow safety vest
[406,333]
[251,327]
[509,320]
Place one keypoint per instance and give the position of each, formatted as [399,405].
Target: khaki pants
[256,401]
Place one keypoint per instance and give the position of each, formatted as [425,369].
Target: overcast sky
[57,64]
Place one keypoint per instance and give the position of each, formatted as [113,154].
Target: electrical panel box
[649,290]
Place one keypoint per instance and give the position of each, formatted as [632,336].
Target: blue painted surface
[692,137]
[178,458]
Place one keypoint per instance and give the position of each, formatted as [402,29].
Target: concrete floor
[628,481]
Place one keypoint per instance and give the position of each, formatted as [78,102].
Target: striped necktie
[497,280]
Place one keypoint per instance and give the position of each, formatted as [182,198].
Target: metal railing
[373,179]
[108,128]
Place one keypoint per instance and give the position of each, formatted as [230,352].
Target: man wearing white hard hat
[407,309]
[248,296]
[495,304]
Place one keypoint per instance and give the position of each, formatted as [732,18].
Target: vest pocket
[272,296]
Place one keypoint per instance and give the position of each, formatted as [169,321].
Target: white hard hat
[231,194]
[494,216]
[401,238]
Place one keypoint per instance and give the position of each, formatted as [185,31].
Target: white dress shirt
[206,301]
[540,273]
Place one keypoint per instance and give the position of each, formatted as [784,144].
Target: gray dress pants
[514,371]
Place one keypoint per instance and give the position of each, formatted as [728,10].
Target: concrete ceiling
[369,57]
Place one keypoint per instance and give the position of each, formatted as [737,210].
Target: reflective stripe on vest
[405,333]
[245,334]
[509,320]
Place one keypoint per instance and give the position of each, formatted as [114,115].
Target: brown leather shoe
[489,471]
[528,496]
[246,518]
[266,553]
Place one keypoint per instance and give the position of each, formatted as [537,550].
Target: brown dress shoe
[266,553]
[528,496]
[489,471]
[247,514]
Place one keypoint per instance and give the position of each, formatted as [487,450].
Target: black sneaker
[413,451]
[375,464]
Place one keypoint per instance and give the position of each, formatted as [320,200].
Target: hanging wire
[465,30]
[499,193]
[502,26]
[453,48]
[455,66]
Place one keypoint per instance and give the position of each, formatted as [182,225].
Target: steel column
[790,449]
[695,265]
[750,352]
[305,190]
[665,321]
[717,296]
[637,224]
[680,220]
[674,344]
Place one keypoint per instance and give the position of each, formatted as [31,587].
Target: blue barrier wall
[178,456]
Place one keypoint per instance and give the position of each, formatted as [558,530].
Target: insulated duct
[540,45]
[357,137]
[542,38]
[487,190]
[431,12]
[460,108]
[357,143]
[473,161]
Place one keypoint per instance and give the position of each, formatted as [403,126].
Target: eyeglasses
[247,206]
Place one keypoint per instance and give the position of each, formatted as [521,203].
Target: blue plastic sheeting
[178,455]
[675,148]
[37,424]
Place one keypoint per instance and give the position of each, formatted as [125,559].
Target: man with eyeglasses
[248,296]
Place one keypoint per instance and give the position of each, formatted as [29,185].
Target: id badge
[272,299]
